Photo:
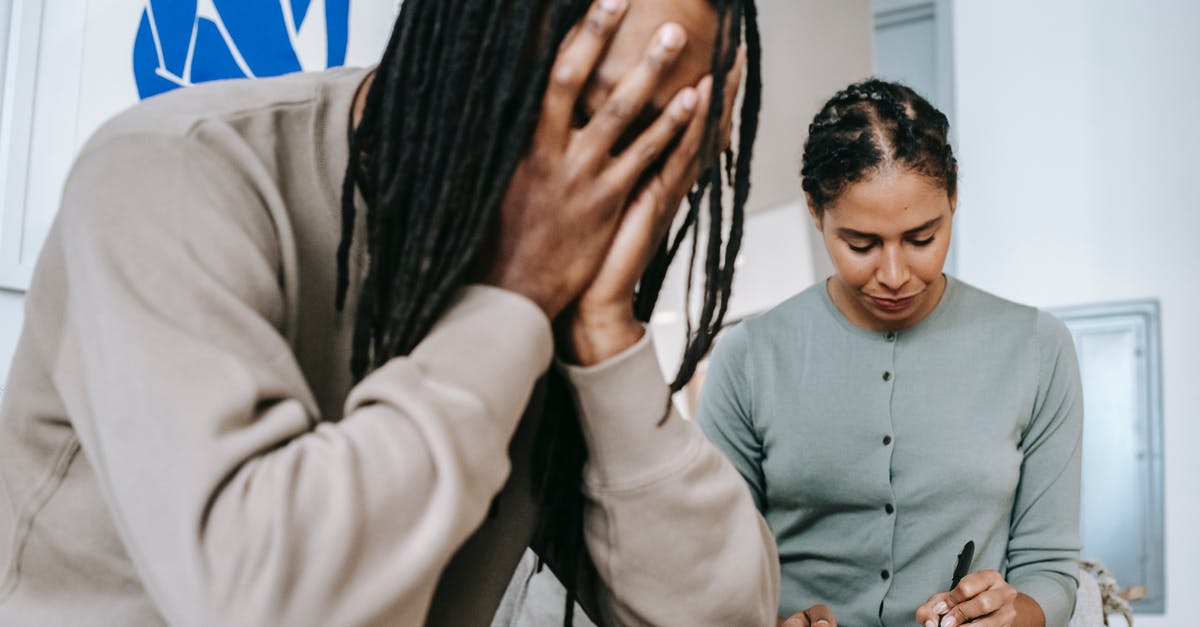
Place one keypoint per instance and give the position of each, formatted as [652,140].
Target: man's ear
[816,217]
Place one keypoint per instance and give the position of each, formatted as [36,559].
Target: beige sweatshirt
[180,443]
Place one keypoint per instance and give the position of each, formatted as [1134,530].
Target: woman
[220,414]
[890,414]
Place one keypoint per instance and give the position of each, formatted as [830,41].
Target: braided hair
[869,126]
[446,121]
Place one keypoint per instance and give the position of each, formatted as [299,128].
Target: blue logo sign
[184,42]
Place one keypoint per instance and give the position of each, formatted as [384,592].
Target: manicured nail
[940,608]
[949,621]
[688,99]
[612,6]
[705,85]
[671,36]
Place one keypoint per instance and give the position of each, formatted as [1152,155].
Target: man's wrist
[587,339]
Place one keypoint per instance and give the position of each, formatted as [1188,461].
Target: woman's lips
[893,304]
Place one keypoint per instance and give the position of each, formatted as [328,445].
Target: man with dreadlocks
[221,414]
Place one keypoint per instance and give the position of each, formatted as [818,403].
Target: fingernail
[612,6]
[671,36]
[930,623]
[949,621]
[822,621]
[705,85]
[688,100]
[940,608]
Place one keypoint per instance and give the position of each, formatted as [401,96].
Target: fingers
[937,611]
[932,610]
[642,227]
[978,595]
[974,584]
[646,215]
[999,619]
[985,604]
[624,172]
[682,167]
[795,620]
[817,615]
[820,615]
[576,59]
[630,96]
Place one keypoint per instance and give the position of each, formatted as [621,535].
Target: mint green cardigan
[875,456]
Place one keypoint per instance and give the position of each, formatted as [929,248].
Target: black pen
[963,566]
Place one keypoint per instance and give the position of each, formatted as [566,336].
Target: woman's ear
[812,212]
[953,202]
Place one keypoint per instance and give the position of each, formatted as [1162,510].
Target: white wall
[1078,134]
[811,49]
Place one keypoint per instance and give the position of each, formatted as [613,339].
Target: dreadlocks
[446,121]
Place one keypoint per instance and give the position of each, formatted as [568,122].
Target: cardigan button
[887,376]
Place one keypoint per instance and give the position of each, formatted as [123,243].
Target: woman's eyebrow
[928,225]
[853,234]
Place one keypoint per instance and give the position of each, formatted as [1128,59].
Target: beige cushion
[1089,607]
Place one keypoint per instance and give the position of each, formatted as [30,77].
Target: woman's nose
[893,271]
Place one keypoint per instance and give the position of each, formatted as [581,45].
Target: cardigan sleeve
[238,503]
[1044,544]
[725,411]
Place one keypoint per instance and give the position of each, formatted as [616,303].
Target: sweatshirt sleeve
[672,529]
[237,502]
[1043,549]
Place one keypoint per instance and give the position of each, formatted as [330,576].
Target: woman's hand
[567,196]
[812,617]
[984,599]
[601,323]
